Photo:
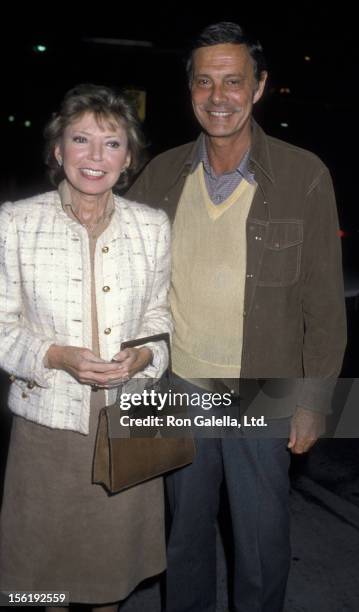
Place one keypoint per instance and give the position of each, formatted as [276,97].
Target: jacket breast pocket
[282,254]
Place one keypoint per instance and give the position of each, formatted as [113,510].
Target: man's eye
[234,82]
[79,139]
[202,82]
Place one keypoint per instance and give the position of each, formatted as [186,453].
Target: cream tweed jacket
[45,298]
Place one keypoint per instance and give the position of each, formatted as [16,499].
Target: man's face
[224,89]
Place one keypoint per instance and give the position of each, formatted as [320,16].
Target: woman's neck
[89,209]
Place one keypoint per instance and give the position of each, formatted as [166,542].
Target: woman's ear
[127,162]
[58,155]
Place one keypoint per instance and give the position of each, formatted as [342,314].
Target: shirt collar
[201,156]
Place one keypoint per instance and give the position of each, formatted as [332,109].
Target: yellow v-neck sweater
[208,280]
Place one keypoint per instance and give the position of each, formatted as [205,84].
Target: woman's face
[93,153]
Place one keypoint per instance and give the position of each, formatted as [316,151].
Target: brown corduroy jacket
[294,325]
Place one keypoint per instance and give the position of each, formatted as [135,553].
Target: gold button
[30,384]
[105,249]
[107,331]
[105,288]
[12,378]
[24,395]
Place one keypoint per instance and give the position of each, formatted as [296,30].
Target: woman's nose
[96,151]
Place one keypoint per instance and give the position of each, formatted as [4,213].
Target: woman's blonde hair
[107,105]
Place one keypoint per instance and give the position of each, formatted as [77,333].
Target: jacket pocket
[282,254]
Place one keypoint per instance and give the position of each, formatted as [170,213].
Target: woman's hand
[85,366]
[133,360]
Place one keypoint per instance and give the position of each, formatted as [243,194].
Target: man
[257,292]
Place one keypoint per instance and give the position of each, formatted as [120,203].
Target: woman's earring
[59,161]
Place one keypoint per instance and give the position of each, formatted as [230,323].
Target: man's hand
[306,427]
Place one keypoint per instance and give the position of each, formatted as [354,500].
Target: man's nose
[218,94]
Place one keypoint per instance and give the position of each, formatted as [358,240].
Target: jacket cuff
[41,374]
[159,360]
[316,394]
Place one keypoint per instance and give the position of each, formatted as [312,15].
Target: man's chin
[217,133]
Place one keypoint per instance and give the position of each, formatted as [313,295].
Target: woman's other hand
[133,360]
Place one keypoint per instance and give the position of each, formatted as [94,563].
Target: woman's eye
[113,144]
[79,139]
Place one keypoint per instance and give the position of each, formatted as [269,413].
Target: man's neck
[225,154]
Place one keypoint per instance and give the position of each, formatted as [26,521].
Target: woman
[81,270]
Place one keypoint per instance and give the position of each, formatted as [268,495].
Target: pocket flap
[284,234]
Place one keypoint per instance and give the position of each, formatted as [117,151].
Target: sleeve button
[105,249]
[107,331]
[105,289]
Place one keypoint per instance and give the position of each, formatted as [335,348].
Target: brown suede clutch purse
[123,462]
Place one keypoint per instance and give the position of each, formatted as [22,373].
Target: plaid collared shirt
[221,187]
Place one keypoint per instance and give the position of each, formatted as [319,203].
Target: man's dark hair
[228,32]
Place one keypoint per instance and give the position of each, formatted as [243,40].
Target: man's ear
[260,86]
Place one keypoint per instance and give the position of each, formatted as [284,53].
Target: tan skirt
[58,531]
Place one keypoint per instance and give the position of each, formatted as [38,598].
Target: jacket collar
[259,152]
[193,155]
